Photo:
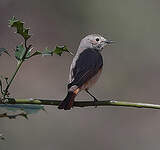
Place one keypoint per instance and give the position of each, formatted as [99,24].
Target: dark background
[131,72]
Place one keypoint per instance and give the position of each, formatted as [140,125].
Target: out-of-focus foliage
[2,136]
[29,109]
[13,116]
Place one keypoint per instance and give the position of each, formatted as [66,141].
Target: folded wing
[87,65]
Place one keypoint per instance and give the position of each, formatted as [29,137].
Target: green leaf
[3,50]
[60,49]
[34,54]
[28,54]
[20,52]
[47,52]
[19,25]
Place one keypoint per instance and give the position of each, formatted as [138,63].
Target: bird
[85,68]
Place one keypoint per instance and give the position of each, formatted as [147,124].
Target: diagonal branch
[83,103]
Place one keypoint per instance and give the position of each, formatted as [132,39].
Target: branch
[83,103]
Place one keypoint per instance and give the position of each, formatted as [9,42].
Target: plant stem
[13,76]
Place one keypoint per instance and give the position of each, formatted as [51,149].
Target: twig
[83,103]
[20,62]
[13,76]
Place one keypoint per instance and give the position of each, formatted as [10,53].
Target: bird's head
[95,41]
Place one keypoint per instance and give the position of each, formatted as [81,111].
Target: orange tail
[67,103]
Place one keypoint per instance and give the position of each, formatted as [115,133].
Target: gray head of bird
[95,41]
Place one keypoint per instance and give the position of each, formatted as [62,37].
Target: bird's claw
[95,101]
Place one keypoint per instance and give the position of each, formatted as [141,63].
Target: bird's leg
[94,98]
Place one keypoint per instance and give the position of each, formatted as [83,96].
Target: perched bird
[85,69]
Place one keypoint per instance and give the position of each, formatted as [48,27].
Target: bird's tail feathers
[68,102]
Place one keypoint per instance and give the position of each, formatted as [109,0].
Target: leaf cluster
[24,52]
[19,25]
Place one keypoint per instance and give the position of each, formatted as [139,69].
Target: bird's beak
[109,42]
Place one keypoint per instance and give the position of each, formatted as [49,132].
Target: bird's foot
[95,102]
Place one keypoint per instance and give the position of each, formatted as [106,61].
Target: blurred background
[131,73]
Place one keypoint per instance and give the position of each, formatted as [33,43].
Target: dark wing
[87,65]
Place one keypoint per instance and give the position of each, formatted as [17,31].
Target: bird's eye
[97,39]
